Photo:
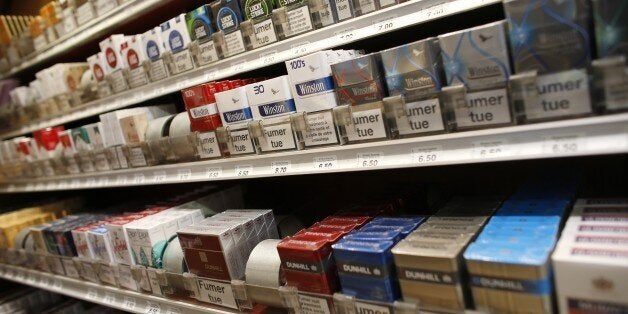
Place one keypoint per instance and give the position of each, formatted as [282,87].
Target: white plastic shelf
[94,29]
[113,297]
[599,135]
[369,25]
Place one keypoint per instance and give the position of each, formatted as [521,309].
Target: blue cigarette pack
[366,269]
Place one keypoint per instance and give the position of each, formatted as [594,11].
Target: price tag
[436,11]
[152,308]
[346,35]
[384,25]
[184,174]
[280,167]
[57,284]
[92,294]
[103,181]
[563,144]
[109,298]
[325,162]
[9,273]
[491,149]
[51,185]
[173,310]
[268,57]
[139,178]
[243,171]
[129,304]
[426,155]
[211,74]
[238,67]
[300,48]
[121,180]
[213,172]
[75,183]
[19,276]
[370,160]
[45,282]
[159,176]
[63,185]
[32,278]
[138,96]
[91,181]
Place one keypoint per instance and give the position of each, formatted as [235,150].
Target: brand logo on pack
[201,29]
[227,19]
[277,108]
[428,276]
[98,72]
[312,68]
[313,268]
[133,59]
[111,58]
[360,269]
[602,283]
[176,41]
[238,115]
[152,50]
[274,91]
[325,84]
[541,286]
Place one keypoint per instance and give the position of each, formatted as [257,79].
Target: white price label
[152,308]
[563,144]
[346,35]
[280,167]
[51,185]
[426,155]
[325,162]
[436,11]
[300,48]
[268,57]
[75,183]
[243,171]
[63,185]
[103,181]
[238,67]
[129,303]
[491,149]
[57,284]
[92,294]
[184,174]
[211,74]
[45,282]
[90,181]
[31,278]
[369,160]
[173,310]
[159,176]
[213,172]
[121,180]
[109,298]
[138,96]
[139,178]
[384,25]
[19,276]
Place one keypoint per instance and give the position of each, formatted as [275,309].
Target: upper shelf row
[365,26]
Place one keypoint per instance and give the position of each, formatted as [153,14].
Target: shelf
[94,29]
[374,24]
[109,296]
[597,135]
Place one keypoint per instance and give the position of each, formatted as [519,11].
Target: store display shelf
[94,29]
[578,137]
[370,25]
[126,300]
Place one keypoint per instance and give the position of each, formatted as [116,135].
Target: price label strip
[243,170]
[564,144]
[213,172]
[184,174]
[426,155]
[280,167]
[370,160]
[491,149]
[159,176]
[325,162]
